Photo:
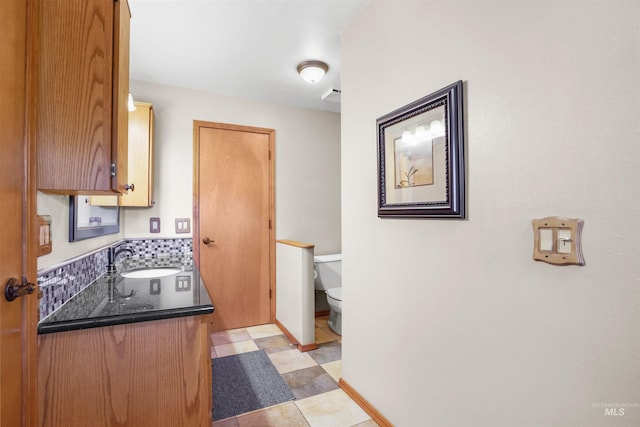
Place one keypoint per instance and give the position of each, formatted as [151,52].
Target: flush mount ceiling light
[312,71]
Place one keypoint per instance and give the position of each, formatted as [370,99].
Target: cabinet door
[140,156]
[80,97]
[140,160]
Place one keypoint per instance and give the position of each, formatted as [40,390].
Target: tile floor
[312,377]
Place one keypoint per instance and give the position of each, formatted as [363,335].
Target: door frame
[271,133]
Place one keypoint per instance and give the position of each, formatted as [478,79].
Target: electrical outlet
[183,225]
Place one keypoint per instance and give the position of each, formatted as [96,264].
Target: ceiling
[242,48]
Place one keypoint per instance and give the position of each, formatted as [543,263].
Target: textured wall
[451,323]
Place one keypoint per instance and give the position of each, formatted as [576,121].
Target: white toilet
[328,278]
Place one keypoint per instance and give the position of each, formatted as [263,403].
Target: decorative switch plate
[183,225]
[558,240]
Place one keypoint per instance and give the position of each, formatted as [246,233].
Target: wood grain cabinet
[140,160]
[82,76]
[146,374]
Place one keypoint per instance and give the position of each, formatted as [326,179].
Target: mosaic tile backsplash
[62,282]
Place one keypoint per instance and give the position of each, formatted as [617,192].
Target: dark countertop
[118,300]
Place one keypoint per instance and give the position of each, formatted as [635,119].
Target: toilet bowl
[334,298]
[328,278]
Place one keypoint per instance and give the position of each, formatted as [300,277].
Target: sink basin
[150,273]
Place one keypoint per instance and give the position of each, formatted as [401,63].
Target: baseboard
[323,313]
[302,348]
[366,406]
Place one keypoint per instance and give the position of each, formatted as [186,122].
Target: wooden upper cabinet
[140,157]
[83,83]
[140,161]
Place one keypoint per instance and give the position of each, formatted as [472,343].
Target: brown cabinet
[155,373]
[140,160]
[82,87]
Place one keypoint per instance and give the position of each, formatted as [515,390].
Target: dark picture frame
[421,161]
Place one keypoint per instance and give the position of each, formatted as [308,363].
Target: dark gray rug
[246,382]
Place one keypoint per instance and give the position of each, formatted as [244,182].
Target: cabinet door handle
[207,240]
[129,187]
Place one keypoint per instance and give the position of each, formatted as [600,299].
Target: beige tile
[334,369]
[286,414]
[213,353]
[331,409]
[368,423]
[262,331]
[235,348]
[227,422]
[291,360]
[321,336]
[232,335]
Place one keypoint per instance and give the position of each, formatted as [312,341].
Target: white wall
[57,206]
[452,323]
[307,162]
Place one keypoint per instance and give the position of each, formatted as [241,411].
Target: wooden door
[18,319]
[233,213]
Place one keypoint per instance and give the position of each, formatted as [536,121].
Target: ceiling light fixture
[312,71]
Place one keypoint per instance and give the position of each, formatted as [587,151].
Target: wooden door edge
[30,257]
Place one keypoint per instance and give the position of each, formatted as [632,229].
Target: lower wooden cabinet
[152,374]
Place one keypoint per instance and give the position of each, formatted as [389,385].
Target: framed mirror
[87,221]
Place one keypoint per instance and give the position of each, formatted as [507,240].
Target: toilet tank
[327,271]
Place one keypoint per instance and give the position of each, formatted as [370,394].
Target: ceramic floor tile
[368,423]
[262,331]
[227,422]
[321,336]
[286,414]
[274,344]
[235,348]
[327,352]
[334,369]
[233,335]
[291,360]
[309,382]
[332,409]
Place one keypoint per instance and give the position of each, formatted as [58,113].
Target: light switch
[546,239]
[557,240]
[154,225]
[183,225]
[564,241]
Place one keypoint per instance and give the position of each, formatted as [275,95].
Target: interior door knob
[207,240]
[14,289]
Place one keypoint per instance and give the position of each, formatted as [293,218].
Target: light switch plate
[183,225]
[558,240]
[154,225]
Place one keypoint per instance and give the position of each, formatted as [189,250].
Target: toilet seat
[335,293]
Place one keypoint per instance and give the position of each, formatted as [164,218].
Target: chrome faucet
[113,253]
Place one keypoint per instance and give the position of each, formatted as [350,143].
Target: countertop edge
[72,325]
